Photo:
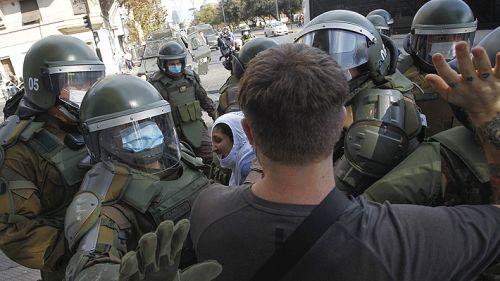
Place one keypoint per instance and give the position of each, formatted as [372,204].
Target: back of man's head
[292,96]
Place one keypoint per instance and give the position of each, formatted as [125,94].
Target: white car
[275,29]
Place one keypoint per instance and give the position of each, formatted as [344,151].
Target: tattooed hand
[476,89]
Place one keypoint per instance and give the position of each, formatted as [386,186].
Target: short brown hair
[292,96]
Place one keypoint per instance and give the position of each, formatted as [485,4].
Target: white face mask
[230,160]
[347,75]
[76,96]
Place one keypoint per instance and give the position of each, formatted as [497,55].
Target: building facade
[23,22]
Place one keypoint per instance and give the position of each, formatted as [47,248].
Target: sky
[183,6]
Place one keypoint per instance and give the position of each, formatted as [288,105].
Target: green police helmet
[380,24]
[436,28]
[124,118]
[349,38]
[248,52]
[59,67]
[171,50]
[383,13]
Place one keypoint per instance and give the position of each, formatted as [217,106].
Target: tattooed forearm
[488,135]
[489,132]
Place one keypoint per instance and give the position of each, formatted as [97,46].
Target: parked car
[275,29]
[198,52]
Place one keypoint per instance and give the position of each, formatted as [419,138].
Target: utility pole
[277,12]
[223,13]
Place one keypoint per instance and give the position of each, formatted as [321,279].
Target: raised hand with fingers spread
[158,255]
[477,90]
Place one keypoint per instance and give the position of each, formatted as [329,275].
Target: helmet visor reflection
[347,48]
[71,87]
[425,46]
[148,145]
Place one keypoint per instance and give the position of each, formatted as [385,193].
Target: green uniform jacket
[228,99]
[186,97]
[132,203]
[39,177]
[448,169]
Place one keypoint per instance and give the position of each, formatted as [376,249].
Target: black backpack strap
[304,237]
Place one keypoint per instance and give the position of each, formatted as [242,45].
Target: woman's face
[221,143]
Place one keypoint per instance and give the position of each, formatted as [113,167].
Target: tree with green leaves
[259,8]
[289,7]
[233,10]
[146,16]
[210,13]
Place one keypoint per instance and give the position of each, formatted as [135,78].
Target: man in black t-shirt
[292,97]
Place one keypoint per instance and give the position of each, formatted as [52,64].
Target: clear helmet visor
[425,46]
[72,86]
[149,145]
[347,48]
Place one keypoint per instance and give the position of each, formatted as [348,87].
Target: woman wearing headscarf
[231,146]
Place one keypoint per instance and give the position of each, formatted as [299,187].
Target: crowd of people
[314,149]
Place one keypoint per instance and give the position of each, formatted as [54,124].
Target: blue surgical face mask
[147,136]
[175,69]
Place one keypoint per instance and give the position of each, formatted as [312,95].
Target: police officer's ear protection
[238,68]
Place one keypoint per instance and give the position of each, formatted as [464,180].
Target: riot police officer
[41,149]
[436,28]
[182,89]
[246,35]
[228,99]
[387,18]
[383,124]
[143,176]
[380,24]
[453,155]
[449,168]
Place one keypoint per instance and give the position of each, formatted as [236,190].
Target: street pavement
[215,78]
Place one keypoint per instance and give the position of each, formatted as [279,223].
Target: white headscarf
[241,152]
